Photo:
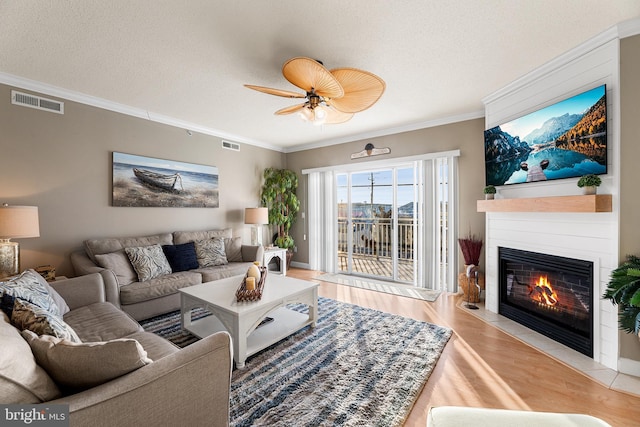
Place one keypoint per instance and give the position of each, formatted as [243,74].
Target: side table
[270,253]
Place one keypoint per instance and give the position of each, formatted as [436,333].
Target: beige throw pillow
[119,263]
[84,365]
[233,249]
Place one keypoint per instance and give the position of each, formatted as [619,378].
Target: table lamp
[16,222]
[257,217]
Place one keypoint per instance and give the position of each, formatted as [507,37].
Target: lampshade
[256,216]
[19,222]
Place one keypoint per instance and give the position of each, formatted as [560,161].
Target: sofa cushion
[181,257]
[21,379]
[148,261]
[211,252]
[119,263]
[79,366]
[180,237]
[158,287]
[233,249]
[28,316]
[31,286]
[108,245]
[155,346]
[101,321]
[223,271]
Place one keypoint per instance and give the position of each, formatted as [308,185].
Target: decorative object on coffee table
[245,293]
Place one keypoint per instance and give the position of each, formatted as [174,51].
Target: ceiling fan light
[306,114]
[320,116]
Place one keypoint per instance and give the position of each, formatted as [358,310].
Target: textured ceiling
[188,60]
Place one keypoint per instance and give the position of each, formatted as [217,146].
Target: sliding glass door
[377,223]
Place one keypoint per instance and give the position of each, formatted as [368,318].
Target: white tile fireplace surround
[585,236]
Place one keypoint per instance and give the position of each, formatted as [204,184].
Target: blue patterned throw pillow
[148,261]
[211,252]
[31,286]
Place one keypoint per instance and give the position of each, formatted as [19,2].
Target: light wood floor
[482,366]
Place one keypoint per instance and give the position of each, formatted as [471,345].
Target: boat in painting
[164,181]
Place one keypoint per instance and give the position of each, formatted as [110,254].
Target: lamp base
[256,235]
[9,258]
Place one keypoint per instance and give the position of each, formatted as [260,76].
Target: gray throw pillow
[148,261]
[119,263]
[210,252]
[233,249]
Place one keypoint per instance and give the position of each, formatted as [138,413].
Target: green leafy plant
[590,180]
[489,189]
[624,290]
[278,194]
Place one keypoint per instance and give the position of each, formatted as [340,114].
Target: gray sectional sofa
[158,295]
[165,386]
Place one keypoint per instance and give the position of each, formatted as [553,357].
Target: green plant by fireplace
[278,194]
[624,290]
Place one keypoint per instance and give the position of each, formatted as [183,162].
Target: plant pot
[590,189]
[489,196]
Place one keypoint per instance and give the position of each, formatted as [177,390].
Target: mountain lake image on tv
[564,140]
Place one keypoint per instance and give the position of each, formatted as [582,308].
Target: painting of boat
[160,180]
[140,181]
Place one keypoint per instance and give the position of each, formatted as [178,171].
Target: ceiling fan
[331,96]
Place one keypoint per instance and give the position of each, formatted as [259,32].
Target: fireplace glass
[550,294]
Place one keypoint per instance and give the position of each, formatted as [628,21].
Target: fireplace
[549,294]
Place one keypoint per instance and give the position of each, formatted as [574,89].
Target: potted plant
[489,192]
[590,183]
[624,290]
[278,194]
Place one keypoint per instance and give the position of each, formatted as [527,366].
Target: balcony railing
[372,246]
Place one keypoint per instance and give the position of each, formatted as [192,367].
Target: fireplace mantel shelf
[586,203]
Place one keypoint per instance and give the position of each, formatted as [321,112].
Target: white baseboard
[629,366]
[302,265]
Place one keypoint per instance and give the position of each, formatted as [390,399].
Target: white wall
[591,237]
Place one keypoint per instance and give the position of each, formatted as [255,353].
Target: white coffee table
[241,319]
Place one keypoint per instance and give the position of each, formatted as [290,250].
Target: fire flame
[543,292]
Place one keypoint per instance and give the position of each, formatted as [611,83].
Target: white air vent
[38,102]
[230,145]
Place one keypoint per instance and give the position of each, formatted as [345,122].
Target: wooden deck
[377,266]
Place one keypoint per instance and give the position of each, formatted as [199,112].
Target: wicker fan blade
[309,74]
[277,92]
[335,117]
[290,110]
[362,89]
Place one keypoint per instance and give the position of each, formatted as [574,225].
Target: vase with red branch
[471,246]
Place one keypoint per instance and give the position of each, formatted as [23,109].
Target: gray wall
[62,164]
[466,136]
[629,155]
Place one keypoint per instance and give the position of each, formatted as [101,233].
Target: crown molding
[618,31]
[50,90]
[388,131]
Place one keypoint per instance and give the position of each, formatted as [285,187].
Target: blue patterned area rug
[357,367]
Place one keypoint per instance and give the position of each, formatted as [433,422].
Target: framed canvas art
[149,182]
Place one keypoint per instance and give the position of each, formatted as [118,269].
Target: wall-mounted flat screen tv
[564,140]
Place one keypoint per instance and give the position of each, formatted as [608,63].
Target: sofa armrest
[251,253]
[82,264]
[82,290]
[190,387]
